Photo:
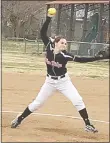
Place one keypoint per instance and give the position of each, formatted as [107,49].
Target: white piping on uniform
[51,47]
[52,39]
[48,44]
[51,50]
[74,57]
[66,56]
[54,60]
[53,66]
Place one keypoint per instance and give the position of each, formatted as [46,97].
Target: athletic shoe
[90,128]
[15,122]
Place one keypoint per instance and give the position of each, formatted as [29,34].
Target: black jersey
[56,63]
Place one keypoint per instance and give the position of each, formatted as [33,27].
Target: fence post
[85,22]
[58,19]
[25,45]
[37,46]
[100,24]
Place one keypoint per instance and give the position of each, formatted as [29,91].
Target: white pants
[65,86]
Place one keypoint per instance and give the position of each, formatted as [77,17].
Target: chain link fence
[86,48]
[23,45]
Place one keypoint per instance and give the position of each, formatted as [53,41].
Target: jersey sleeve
[43,31]
[86,59]
[68,56]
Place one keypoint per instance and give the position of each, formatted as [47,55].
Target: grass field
[35,63]
[22,46]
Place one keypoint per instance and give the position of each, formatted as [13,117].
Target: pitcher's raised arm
[44,30]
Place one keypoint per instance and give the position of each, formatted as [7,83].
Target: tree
[22,18]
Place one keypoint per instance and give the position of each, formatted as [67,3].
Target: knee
[35,105]
[79,104]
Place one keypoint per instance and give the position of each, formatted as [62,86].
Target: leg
[68,89]
[46,91]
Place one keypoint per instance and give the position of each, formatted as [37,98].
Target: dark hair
[57,38]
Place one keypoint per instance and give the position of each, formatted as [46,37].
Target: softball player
[57,77]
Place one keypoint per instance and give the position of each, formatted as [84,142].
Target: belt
[56,77]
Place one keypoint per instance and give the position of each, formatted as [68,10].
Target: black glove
[104,54]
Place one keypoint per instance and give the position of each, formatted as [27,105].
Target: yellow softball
[52,11]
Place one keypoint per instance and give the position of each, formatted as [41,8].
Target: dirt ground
[19,89]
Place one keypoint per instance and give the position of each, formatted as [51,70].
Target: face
[61,45]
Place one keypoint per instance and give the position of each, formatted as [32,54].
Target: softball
[52,11]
